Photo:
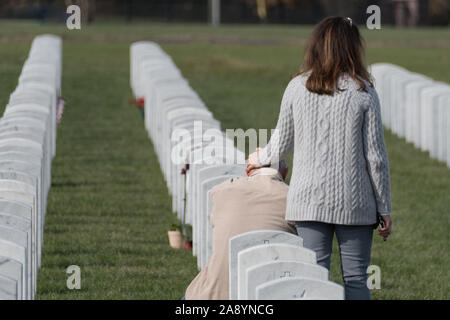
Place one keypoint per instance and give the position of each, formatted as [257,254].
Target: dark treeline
[397,12]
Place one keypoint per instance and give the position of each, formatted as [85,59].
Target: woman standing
[330,116]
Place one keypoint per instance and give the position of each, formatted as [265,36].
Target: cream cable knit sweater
[340,169]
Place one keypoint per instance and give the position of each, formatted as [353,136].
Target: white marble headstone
[24,225]
[13,270]
[278,269]
[299,289]
[443,107]
[13,244]
[250,239]
[202,221]
[8,288]
[24,212]
[200,175]
[267,252]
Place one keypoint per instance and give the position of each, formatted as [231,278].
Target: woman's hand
[386,231]
[252,161]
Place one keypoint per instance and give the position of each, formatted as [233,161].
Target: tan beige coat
[239,205]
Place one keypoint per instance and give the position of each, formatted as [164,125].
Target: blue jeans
[355,243]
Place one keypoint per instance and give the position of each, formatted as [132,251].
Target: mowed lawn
[109,210]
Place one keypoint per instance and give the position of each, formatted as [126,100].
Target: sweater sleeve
[282,140]
[376,155]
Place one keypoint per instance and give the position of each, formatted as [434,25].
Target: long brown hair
[335,47]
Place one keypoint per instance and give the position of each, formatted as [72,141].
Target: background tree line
[400,12]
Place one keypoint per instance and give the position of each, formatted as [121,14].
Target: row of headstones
[415,107]
[268,264]
[27,147]
[171,105]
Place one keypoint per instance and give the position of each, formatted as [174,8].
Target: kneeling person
[240,205]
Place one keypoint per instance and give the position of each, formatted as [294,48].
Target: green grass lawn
[109,210]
